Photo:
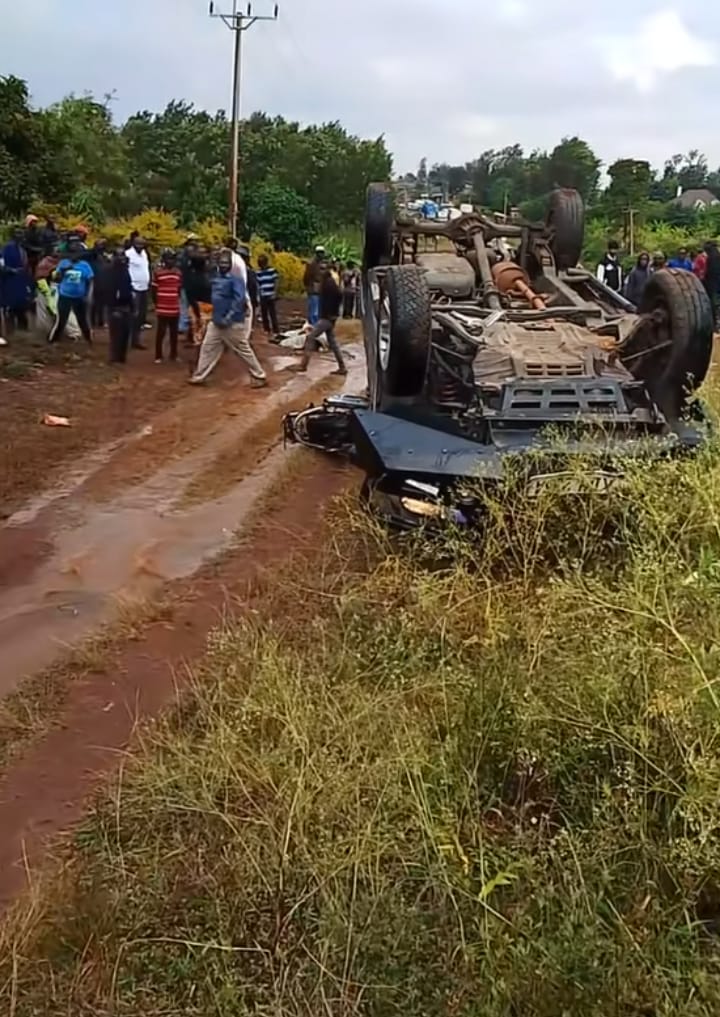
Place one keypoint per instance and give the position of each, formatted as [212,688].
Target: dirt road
[160,514]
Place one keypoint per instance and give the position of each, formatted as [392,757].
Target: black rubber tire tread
[379,223]
[409,296]
[692,327]
[566,218]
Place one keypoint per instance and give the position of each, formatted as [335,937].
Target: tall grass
[464,777]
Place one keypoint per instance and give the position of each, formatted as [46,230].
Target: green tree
[179,160]
[89,160]
[281,215]
[573,163]
[23,156]
[630,182]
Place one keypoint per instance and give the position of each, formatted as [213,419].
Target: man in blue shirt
[681,260]
[75,278]
[225,330]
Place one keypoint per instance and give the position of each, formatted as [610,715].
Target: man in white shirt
[139,269]
[238,268]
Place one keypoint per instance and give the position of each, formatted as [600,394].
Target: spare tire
[565,221]
[671,352]
[404,331]
[379,222]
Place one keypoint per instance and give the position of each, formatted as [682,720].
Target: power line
[238,22]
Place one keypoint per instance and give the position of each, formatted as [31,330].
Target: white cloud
[513,10]
[661,45]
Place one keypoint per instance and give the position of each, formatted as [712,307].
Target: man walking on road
[139,267]
[227,328]
[330,299]
[312,281]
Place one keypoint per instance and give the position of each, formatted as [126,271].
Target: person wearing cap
[312,281]
[658,261]
[33,242]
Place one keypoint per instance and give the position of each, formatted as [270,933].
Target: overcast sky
[445,79]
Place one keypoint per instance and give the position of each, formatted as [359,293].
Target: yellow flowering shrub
[160,230]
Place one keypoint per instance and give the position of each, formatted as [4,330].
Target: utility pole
[238,22]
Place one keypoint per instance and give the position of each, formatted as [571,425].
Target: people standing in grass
[712,275]
[637,279]
[330,302]
[16,284]
[167,284]
[681,260]
[139,266]
[120,303]
[609,271]
[658,262]
[267,281]
[75,277]
[227,328]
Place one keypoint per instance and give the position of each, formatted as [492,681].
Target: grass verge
[459,778]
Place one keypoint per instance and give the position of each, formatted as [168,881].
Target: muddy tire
[678,349]
[566,221]
[379,222]
[405,328]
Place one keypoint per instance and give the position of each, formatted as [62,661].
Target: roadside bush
[161,230]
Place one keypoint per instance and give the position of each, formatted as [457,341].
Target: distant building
[696,198]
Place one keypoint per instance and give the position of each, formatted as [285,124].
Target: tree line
[509,177]
[71,155]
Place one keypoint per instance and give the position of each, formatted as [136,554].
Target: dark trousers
[64,306]
[120,320]
[349,304]
[268,309]
[97,312]
[326,327]
[167,323]
[140,304]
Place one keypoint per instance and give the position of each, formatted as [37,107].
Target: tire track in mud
[45,787]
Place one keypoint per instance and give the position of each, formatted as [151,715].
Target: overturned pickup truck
[484,338]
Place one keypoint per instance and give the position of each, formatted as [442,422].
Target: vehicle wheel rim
[384,332]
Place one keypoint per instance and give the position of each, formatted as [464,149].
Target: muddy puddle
[104,556]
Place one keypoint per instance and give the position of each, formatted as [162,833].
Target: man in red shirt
[167,283]
[700,265]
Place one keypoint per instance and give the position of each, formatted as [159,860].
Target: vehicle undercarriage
[485,342]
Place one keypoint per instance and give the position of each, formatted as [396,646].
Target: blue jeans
[313,308]
[184,312]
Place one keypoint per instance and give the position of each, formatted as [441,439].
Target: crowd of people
[705,264]
[209,297]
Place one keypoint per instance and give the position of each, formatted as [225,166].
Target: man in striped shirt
[267,280]
[167,283]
